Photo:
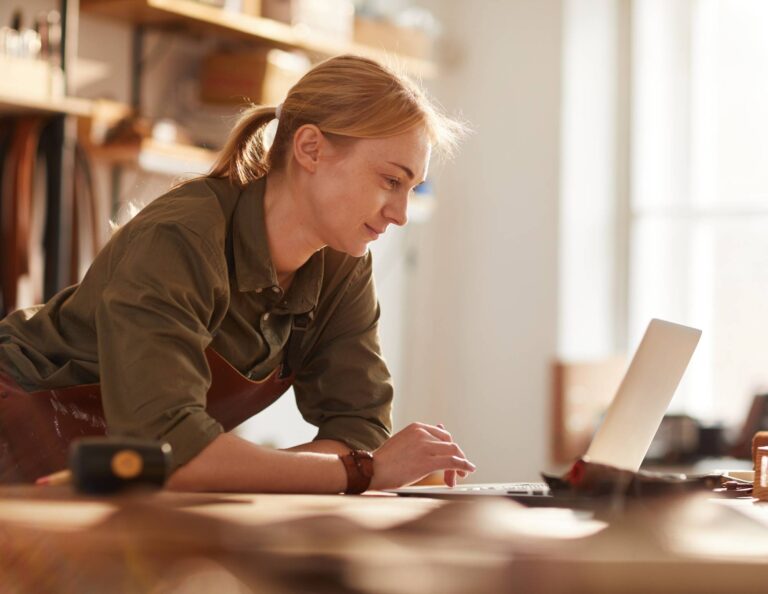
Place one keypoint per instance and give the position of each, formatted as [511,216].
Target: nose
[397,211]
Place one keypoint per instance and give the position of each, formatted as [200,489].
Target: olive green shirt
[161,292]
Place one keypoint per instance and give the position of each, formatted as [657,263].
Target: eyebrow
[407,171]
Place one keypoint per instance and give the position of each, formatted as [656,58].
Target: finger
[450,478]
[442,448]
[454,463]
[461,452]
[437,432]
[447,435]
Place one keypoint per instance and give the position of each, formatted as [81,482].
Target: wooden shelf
[157,157]
[12,104]
[209,19]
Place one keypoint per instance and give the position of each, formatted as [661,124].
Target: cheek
[347,195]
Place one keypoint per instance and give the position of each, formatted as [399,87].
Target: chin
[354,249]
[359,252]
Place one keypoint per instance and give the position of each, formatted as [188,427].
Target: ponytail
[244,157]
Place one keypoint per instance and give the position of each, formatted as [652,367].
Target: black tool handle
[106,465]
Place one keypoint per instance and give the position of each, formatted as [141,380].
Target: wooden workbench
[52,540]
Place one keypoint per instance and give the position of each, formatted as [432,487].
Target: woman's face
[361,187]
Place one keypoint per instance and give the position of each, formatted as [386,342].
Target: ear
[307,144]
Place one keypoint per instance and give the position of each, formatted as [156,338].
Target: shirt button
[276,289]
[265,317]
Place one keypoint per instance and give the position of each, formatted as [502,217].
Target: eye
[392,182]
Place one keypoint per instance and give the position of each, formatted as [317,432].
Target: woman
[262,265]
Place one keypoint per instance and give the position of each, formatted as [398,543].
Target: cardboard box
[261,76]
[384,35]
[334,18]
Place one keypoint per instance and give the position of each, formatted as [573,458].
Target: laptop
[629,425]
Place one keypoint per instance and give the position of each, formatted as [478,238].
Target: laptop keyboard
[511,488]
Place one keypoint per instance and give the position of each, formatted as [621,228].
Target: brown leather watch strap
[359,467]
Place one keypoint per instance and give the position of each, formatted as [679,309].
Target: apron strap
[292,360]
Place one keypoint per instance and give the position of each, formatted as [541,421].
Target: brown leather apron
[36,428]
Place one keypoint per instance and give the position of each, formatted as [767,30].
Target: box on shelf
[105,114]
[31,79]
[251,7]
[388,36]
[331,17]
[261,76]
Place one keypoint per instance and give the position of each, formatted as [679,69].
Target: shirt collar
[254,270]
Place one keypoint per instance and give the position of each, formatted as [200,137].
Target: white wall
[594,181]
[483,326]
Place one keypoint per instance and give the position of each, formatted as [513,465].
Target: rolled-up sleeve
[152,324]
[344,387]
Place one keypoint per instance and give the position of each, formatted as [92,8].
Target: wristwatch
[359,467]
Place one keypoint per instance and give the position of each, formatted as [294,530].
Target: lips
[373,231]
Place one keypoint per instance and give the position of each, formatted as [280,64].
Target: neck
[289,235]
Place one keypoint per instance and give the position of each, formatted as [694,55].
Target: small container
[760,487]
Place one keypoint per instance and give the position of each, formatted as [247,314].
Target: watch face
[364,462]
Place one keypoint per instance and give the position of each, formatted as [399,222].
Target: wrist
[359,466]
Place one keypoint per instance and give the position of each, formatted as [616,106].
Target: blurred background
[616,171]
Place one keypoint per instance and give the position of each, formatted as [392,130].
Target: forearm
[322,446]
[232,464]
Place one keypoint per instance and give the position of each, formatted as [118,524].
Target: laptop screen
[634,415]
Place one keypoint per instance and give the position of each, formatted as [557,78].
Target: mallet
[106,465]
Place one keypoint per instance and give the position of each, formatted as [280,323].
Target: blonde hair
[347,96]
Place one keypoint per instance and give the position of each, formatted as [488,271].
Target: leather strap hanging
[6,133]
[17,206]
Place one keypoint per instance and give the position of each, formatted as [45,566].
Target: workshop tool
[107,465]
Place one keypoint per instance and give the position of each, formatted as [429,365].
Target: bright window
[699,191]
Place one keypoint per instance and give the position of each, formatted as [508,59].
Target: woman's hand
[415,452]
[450,475]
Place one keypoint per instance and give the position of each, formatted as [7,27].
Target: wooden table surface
[52,540]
